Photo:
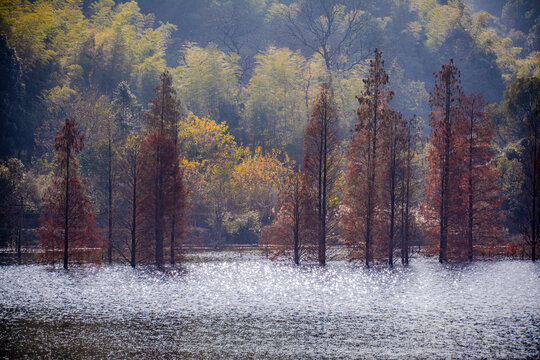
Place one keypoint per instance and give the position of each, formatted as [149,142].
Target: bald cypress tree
[443,181]
[68,217]
[363,195]
[321,165]
[162,191]
[484,200]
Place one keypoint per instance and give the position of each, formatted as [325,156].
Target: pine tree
[68,213]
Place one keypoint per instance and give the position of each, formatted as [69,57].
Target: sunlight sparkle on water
[242,305]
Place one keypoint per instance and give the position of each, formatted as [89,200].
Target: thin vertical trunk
[157,218]
[442,240]
[392,205]
[534,192]
[320,163]
[109,204]
[173,225]
[19,233]
[371,174]
[66,210]
[368,219]
[296,216]
[159,189]
[53,253]
[173,219]
[471,210]
[306,95]
[326,57]
[219,228]
[320,188]
[322,244]
[402,232]
[407,203]
[175,195]
[445,178]
[134,220]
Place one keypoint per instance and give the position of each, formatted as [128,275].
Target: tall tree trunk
[134,221]
[159,190]
[322,244]
[19,232]
[371,180]
[173,225]
[407,204]
[175,195]
[319,189]
[320,141]
[218,221]
[392,205]
[534,192]
[402,233]
[173,221]
[66,211]
[445,178]
[296,215]
[368,214]
[109,204]
[471,210]
[158,220]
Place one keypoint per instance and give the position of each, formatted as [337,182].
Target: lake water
[241,305]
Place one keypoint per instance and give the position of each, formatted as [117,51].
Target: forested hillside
[246,79]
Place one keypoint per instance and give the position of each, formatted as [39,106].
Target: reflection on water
[240,305]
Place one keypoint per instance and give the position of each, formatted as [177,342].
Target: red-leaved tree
[289,235]
[393,162]
[321,167]
[445,208]
[363,219]
[484,200]
[407,193]
[463,197]
[162,193]
[68,218]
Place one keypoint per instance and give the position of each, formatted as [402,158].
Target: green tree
[20,193]
[521,104]
[207,81]
[13,136]
[275,111]
[126,108]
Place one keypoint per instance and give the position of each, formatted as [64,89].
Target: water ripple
[240,305]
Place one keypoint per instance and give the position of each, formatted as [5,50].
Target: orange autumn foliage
[364,220]
[464,200]
[68,222]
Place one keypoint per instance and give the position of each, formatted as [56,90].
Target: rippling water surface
[240,305]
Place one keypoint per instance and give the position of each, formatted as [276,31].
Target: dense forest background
[247,77]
